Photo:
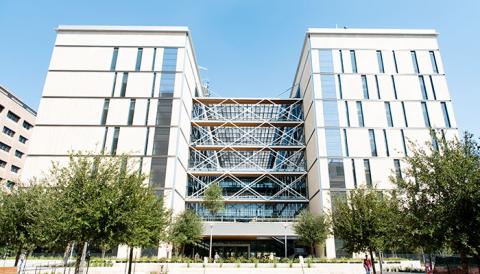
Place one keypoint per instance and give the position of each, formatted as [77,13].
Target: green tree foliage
[364,220]
[24,218]
[186,229]
[213,199]
[312,229]
[441,196]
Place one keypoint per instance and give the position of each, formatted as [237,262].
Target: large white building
[358,97]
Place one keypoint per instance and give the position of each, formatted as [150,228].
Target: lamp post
[211,232]
[285,226]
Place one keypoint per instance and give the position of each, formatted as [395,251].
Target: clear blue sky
[250,47]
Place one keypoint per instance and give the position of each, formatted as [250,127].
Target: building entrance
[228,250]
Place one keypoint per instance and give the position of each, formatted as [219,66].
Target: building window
[5,147]
[404,114]
[388,112]
[330,113]
[361,121]
[365,87]
[348,113]
[346,142]
[3,163]
[1,107]
[404,143]
[18,153]
[377,85]
[327,83]
[354,173]
[414,61]
[131,112]
[8,131]
[435,143]
[14,169]
[169,59]
[167,84]
[123,89]
[22,139]
[138,64]
[106,104]
[336,173]
[398,169]
[341,61]
[333,142]
[114,59]
[340,86]
[426,118]
[326,60]
[421,80]
[387,150]
[353,59]
[446,117]
[12,116]
[116,133]
[433,60]
[395,61]
[381,69]
[27,125]
[433,88]
[394,88]
[373,143]
[368,174]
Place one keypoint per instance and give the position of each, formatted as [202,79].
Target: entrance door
[227,251]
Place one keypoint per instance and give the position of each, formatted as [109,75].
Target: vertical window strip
[340,86]
[446,117]
[426,117]
[348,113]
[365,87]
[388,112]
[138,64]
[404,114]
[433,60]
[113,65]
[154,58]
[353,59]
[381,68]
[123,89]
[404,143]
[106,105]
[435,143]
[414,61]
[361,121]
[131,111]
[104,142]
[116,133]
[373,143]
[398,169]
[395,61]
[423,88]
[347,154]
[341,61]
[387,150]
[394,88]
[368,174]
[433,88]
[354,173]
[378,87]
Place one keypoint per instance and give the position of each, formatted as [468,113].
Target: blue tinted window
[388,112]
[433,60]
[404,114]
[365,87]
[326,60]
[421,80]
[346,142]
[328,86]
[360,114]
[398,169]
[348,113]
[330,112]
[387,150]
[353,59]
[446,117]
[414,61]
[167,84]
[341,61]
[336,173]
[131,112]
[426,118]
[380,61]
[106,104]
[169,59]
[377,85]
[116,133]
[368,174]
[333,142]
[395,61]
[340,86]
[138,64]
[114,59]
[394,87]
[433,88]
[123,89]
[404,143]
[373,143]
[354,173]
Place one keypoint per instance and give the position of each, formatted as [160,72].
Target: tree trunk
[78,256]
[17,256]
[373,261]
[464,262]
[183,250]
[130,261]
[66,254]
[312,250]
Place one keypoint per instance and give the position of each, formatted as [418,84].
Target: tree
[102,201]
[441,192]
[213,199]
[363,221]
[312,229]
[24,218]
[186,229]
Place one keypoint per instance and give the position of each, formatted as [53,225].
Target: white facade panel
[139,84]
[70,111]
[118,111]
[81,58]
[78,84]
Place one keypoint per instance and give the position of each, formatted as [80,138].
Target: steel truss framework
[254,148]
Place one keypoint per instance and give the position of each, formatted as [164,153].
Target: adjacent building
[358,97]
[17,121]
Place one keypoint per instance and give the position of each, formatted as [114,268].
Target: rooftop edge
[14,98]
[354,31]
[95,28]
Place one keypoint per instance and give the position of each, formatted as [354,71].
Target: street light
[285,226]
[210,251]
